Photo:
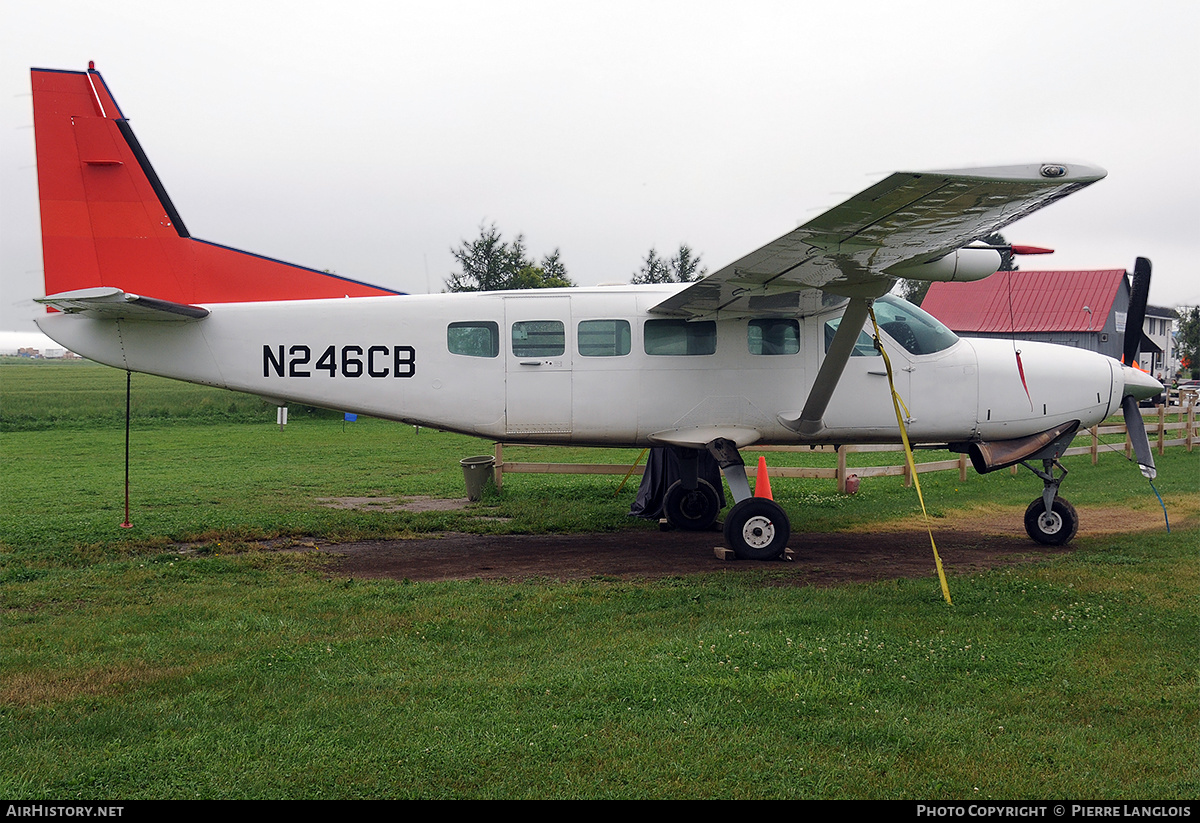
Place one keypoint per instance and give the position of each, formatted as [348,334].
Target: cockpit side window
[863,347]
[917,331]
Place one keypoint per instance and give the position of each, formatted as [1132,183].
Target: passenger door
[538,365]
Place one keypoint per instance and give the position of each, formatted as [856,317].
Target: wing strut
[812,418]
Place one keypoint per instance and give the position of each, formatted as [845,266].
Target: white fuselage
[391,357]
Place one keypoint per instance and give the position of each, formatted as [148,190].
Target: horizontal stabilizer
[105,303]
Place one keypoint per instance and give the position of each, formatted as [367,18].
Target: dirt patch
[999,520]
[967,542]
[819,559]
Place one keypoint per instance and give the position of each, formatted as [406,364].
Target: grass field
[130,670]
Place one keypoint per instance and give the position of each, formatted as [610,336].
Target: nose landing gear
[1050,519]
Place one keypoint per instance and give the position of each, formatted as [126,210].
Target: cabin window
[604,338]
[539,338]
[474,339]
[680,337]
[773,336]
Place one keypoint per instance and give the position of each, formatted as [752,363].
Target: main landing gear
[756,528]
[695,508]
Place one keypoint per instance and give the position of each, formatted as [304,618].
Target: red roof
[1026,301]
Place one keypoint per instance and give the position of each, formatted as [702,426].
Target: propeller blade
[1136,426]
[1139,291]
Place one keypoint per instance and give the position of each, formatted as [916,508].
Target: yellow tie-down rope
[898,404]
[631,468]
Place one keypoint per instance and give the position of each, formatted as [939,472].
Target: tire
[757,529]
[693,509]
[1053,529]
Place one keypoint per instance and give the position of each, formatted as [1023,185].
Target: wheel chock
[725,553]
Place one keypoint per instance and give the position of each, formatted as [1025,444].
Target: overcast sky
[371,137]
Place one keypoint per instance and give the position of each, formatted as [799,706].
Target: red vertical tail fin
[107,220]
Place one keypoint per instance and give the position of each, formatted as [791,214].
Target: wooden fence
[1182,432]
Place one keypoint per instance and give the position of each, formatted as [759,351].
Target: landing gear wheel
[693,509]
[1053,528]
[757,529]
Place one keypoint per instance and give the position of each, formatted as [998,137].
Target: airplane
[778,347]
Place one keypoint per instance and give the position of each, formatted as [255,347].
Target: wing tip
[1052,172]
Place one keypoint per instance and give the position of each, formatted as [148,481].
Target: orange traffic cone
[762,483]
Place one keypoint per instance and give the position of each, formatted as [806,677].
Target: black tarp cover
[662,469]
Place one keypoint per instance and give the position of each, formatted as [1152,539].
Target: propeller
[1139,291]
[1138,384]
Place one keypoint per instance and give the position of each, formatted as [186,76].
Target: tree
[684,267]
[653,270]
[1187,340]
[914,291]
[538,277]
[553,266]
[488,263]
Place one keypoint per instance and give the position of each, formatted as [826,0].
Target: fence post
[498,469]
[962,468]
[1190,414]
[1162,428]
[841,468]
[1191,419]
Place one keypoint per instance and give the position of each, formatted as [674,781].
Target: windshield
[917,331]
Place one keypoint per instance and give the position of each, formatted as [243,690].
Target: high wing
[912,224]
